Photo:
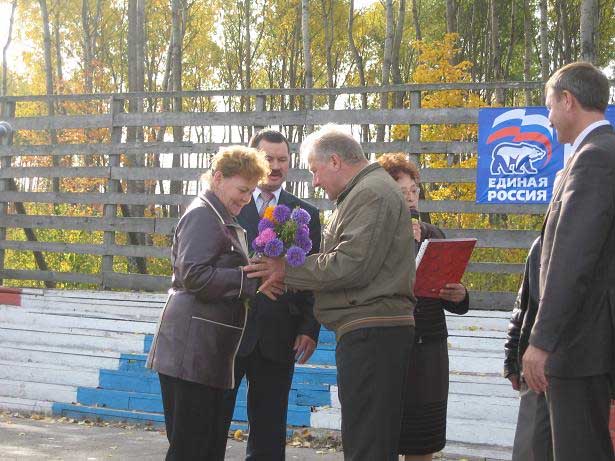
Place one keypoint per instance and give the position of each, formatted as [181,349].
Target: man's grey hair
[329,140]
[586,82]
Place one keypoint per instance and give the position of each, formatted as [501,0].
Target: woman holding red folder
[423,430]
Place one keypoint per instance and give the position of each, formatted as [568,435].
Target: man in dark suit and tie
[278,333]
[571,356]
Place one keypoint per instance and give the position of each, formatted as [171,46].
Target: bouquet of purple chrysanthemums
[282,232]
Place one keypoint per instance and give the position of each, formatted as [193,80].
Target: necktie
[266,197]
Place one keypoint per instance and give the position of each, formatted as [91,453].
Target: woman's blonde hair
[241,161]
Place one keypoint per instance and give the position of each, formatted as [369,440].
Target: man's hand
[534,361]
[304,348]
[514,380]
[454,292]
[270,270]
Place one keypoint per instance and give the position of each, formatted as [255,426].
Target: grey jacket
[364,274]
[201,326]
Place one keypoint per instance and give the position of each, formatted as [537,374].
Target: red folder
[441,261]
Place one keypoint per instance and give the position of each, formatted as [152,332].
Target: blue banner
[518,155]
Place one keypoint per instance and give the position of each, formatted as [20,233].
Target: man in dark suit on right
[571,356]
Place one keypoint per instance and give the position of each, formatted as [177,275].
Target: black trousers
[195,420]
[268,386]
[579,414]
[371,373]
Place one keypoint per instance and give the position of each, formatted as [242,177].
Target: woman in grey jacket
[201,326]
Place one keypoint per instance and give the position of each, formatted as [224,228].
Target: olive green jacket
[364,274]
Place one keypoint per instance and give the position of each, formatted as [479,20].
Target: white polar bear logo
[509,158]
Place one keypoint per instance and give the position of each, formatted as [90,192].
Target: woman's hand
[416,230]
[272,290]
[454,292]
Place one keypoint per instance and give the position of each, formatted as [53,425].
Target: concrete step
[37,391]
[106,414]
[70,357]
[48,374]
[115,342]
[64,322]
[25,405]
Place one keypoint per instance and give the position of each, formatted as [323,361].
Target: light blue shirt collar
[259,201]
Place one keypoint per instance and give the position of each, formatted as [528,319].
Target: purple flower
[295,256]
[256,246]
[281,213]
[265,224]
[303,241]
[303,231]
[300,216]
[274,248]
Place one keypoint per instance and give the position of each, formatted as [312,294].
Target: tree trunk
[417,22]
[5,49]
[528,33]
[451,16]
[58,48]
[55,182]
[176,72]
[386,64]
[358,59]
[511,42]
[307,55]
[136,83]
[544,42]
[87,46]
[329,25]
[496,51]
[395,63]
[589,28]
[245,103]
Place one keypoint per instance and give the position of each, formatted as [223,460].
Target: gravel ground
[37,437]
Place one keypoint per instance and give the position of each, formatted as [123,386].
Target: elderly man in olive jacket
[363,287]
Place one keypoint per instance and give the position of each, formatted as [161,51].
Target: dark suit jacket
[576,313]
[274,325]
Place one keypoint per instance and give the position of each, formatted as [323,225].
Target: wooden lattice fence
[140,186]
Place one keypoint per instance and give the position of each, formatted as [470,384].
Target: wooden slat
[116,250]
[448,175]
[95,197]
[305,117]
[481,300]
[156,283]
[55,172]
[495,268]
[301,117]
[466,206]
[430,175]
[60,122]
[492,300]
[407,87]
[438,206]
[147,225]
[452,147]
[50,276]
[488,238]
[107,280]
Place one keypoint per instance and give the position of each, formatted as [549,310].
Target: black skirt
[423,427]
